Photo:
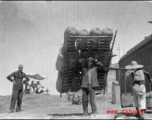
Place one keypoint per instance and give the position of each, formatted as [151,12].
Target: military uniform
[17,88]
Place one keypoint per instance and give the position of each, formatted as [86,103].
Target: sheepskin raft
[59,82]
[81,44]
[60,61]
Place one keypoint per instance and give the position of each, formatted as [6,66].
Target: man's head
[90,62]
[20,67]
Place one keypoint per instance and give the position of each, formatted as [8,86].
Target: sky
[31,32]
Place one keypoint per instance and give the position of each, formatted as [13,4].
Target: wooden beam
[111,68]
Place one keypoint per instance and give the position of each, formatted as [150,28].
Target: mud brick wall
[142,53]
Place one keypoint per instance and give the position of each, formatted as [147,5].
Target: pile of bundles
[70,47]
[72,31]
[93,32]
[75,99]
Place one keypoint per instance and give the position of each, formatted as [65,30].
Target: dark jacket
[18,78]
[94,80]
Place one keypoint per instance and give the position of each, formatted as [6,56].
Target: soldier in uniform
[17,88]
[89,83]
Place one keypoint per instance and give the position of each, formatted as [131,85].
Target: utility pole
[123,50]
[119,51]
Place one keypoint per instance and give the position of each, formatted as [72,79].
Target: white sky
[31,32]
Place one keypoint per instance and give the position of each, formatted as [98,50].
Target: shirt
[18,78]
[139,75]
[90,75]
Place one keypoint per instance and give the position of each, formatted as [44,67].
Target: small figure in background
[76,100]
[47,91]
[41,89]
[79,100]
[25,90]
[28,88]
[38,88]
[33,86]
[73,99]
[69,95]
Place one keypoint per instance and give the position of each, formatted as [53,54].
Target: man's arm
[27,79]
[9,77]
[129,72]
[101,66]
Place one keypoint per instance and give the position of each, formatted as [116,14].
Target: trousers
[16,97]
[88,92]
[140,100]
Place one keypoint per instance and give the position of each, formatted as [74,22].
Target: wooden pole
[110,61]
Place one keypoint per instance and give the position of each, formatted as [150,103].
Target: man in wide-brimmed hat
[89,83]
[139,90]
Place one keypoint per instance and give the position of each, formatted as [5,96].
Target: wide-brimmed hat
[134,65]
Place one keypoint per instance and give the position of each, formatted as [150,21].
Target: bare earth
[53,107]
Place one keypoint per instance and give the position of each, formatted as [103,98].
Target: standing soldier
[17,88]
[89,83]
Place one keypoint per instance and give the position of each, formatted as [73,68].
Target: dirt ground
[36,106]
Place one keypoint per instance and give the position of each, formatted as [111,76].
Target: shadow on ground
[128,115]
[15,111]
[63,115]
[124,115]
